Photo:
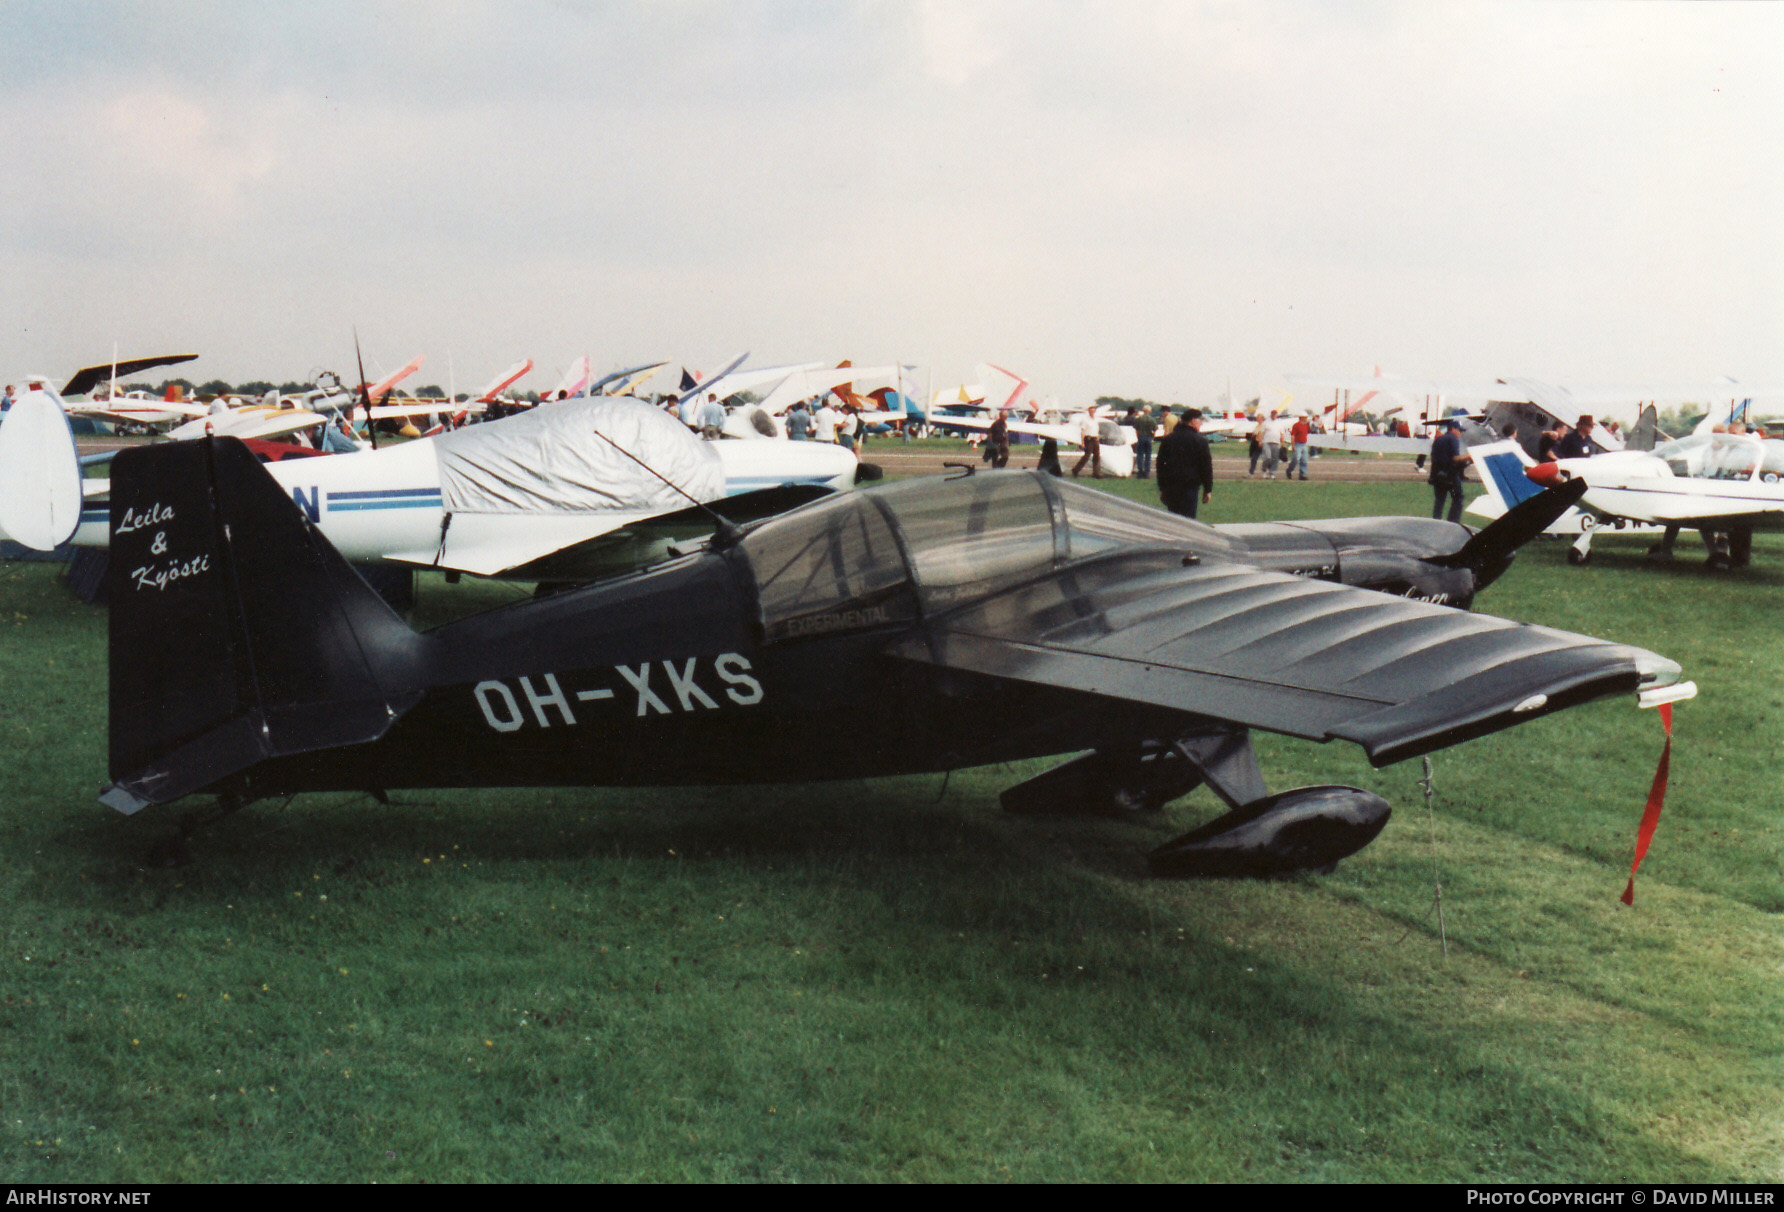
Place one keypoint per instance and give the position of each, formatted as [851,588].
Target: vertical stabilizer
[237,632]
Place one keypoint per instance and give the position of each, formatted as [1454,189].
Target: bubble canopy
[1725,456]
[922,546]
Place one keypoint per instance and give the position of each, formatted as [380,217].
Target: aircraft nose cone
[1546,474]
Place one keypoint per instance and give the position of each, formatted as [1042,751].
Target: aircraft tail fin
[1646,432]
[40,473]
[1502,473]
[238,634]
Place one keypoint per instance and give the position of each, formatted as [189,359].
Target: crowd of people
[841,426]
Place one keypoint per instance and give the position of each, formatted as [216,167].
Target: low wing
[148,413]
[1267,650]
[413,406]
[1372,444]
[1068,435]
[250,421]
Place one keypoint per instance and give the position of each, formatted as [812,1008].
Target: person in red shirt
[1298,435]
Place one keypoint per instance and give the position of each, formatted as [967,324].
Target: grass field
[894,979]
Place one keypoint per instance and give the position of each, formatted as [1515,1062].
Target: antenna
[727,532]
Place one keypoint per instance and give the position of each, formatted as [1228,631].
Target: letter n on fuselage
[311,505]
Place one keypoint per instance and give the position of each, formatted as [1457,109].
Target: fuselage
[385,506]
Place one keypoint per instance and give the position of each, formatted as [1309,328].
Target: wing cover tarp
[562,457]
[1266,650]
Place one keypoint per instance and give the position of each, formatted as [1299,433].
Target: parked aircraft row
[1529,406]
[1726,485]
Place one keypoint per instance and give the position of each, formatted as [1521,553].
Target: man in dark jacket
[1185,466]
[1144,427]
[1578,444]
[1449,457]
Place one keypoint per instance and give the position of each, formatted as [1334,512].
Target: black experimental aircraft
[976,619]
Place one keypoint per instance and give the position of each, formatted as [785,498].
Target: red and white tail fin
[377,391]
[1005,390]
[505,380]
[575,379]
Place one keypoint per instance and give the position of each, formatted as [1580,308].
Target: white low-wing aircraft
[1504,474]
[489,500]
[1723,484]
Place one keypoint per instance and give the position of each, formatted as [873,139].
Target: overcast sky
[1109,198]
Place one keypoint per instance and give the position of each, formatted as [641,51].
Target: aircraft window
[833,566]
[1097,521]
[1690,455]
[1771,463]
[1685,447]
[1731,457]
[972,535]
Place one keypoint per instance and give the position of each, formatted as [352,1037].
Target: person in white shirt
[826,422]
[1088,429]
[1273,432]
[712,418]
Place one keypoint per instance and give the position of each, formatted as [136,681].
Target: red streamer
[1656,801]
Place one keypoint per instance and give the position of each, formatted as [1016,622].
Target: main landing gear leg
[1663,550]
[1262,835]
[1720,558]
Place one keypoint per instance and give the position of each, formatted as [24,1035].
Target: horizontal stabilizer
[1489,552]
